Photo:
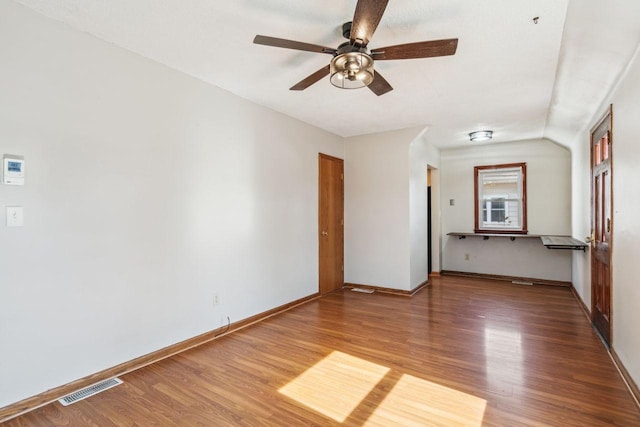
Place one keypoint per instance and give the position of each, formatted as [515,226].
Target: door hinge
[342,267]
[342,176]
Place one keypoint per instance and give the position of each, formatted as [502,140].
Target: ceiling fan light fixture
[351,70]
[481,135]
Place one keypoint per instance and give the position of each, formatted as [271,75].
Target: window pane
[497,215]
[605,146]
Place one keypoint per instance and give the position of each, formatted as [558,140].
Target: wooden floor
[462,352]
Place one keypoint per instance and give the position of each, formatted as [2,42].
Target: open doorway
[429,222]
[433,219]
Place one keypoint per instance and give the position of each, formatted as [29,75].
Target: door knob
[324,233]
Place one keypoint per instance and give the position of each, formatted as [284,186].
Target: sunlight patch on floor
[417,402]
[336,385]
[504,359]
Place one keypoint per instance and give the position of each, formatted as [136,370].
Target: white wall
[418,213]
[548,204]
[147,192]
[377,209]
[626,204]
[581,218]
[422,156]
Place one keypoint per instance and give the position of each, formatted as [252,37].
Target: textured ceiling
[505,76]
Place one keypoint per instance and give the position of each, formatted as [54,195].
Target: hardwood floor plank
[464,351]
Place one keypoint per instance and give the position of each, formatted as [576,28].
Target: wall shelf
[563,242]
[549,242]
[487,236]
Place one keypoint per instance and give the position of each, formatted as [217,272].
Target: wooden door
[601,227]
[331,223]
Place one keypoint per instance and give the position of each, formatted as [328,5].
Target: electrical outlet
[466,257]
[216,299]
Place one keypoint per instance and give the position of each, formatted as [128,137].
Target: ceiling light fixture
[351,70]
[481,135]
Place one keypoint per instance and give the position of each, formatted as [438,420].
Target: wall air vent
[89,391]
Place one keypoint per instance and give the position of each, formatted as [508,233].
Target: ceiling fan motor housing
[347,47]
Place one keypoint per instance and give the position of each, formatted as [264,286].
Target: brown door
[601,227]
[331,223]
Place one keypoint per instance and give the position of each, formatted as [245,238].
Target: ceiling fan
[352,64]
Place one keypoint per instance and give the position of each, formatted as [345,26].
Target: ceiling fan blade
[428,49]
[313,78]
[292,44]
[379,85]
[366,19]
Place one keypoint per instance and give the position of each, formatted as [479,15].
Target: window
[501,198]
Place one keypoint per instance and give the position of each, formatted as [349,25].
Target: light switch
[15,216]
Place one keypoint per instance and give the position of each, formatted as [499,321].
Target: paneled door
[331,223]
[601,226]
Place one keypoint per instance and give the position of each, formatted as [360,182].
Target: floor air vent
[362,290]
[89,391]
[522,282]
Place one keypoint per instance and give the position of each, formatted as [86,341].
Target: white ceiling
[521,79]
